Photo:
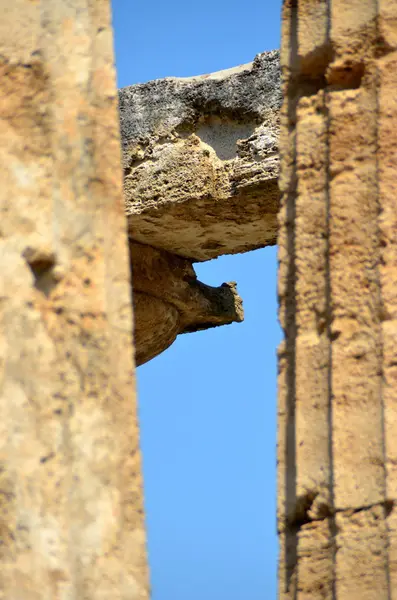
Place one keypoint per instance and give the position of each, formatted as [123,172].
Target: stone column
[71,516]
[338,301]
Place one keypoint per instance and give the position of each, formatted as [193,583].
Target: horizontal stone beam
[200,160]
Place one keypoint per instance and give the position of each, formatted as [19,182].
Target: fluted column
[338,299]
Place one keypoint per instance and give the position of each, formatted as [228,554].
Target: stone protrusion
[200,180]
[169,300]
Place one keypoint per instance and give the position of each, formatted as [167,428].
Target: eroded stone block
[200,160]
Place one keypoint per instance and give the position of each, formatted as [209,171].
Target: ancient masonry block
[71,516]
[200,159]
[338,301]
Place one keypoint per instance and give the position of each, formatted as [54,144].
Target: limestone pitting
[201,165]
[246,94]
[201,160]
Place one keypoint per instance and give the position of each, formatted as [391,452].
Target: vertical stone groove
[381,315]
[328,309]
[291,539]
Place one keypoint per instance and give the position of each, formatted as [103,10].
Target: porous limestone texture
[169,300]
[200,160]
[338,301]
[71,510]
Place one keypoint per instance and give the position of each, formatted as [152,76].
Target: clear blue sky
[208,404]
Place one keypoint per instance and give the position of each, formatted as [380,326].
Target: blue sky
[207,405]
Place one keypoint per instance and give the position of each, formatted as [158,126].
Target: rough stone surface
[168,300]
[200,180]
[338,302]
[200,160]
[71,510]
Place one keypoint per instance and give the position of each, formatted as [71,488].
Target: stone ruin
[200,159]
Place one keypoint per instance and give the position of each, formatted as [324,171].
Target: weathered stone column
[71,517]
[338,301]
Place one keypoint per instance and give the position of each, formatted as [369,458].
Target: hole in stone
[41,267]
[223,135]
[41,264]
[389,507]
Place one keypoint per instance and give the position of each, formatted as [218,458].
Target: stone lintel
[200,160]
